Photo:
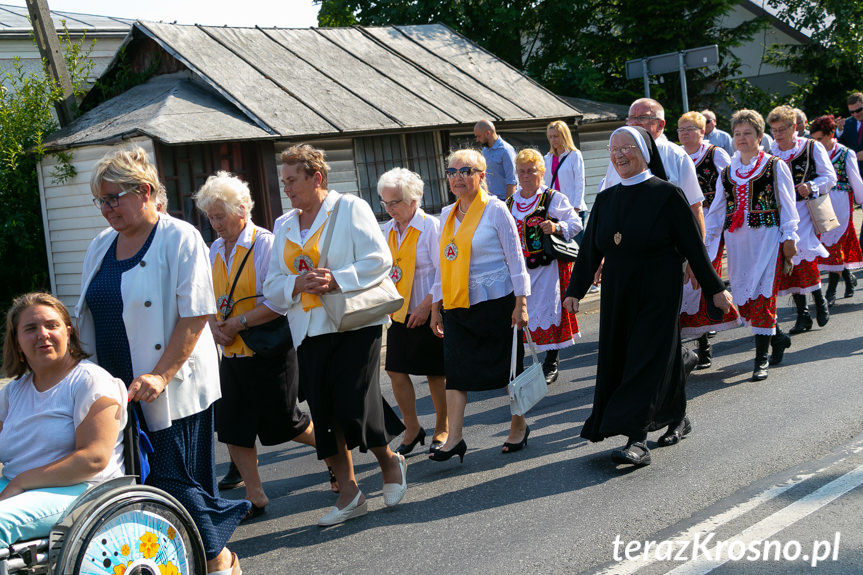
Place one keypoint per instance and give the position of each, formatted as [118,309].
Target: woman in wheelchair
[61,419]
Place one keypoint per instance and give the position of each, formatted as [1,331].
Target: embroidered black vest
[803,167]
[707,174]
[531,232]
[762,199]
[839,164]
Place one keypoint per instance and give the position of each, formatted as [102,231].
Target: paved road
[779,459]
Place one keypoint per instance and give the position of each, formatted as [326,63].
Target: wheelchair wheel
[133,530]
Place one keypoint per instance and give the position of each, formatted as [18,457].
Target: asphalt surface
[758,454]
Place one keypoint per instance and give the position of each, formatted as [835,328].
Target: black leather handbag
[559,248]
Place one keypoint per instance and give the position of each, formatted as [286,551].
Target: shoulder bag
[554,245]
[353,309]
[821,211]
[271,339]
[529,387]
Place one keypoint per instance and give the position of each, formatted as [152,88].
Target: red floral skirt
[568,326]
[844,254]
[700,322]
[761,312]
[804,278]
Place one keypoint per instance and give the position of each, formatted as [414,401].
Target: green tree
[833,61]
[579,47]
[26,117]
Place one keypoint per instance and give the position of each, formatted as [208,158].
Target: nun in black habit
[644,230]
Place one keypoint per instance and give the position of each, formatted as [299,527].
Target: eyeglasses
[111,200]
[621,149]
[392,204]
[684,130]
[780,129]
[643,118]
[527,172]
[860,109]
[464,172]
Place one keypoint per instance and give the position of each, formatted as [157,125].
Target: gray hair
[409,183]
[227,189]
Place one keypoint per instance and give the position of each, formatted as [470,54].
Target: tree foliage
[833,62]
[579,47]
[26,117]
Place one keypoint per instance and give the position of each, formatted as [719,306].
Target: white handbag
[352,309]
[529,387]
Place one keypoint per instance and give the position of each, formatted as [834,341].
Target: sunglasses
[464,172]
[860,109]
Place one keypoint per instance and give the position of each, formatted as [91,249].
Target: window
[419,152]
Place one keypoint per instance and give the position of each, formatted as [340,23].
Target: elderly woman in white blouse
[413,237]
[482,288]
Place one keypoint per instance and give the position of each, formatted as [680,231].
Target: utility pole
[49,49]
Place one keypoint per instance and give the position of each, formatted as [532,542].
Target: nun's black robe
[639,376]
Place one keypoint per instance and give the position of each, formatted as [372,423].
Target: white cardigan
[173,280]
[358,258]
[570,178]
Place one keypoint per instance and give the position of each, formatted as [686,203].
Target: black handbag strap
[237,277]
[557,169]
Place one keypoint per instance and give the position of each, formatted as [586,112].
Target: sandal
[334,483]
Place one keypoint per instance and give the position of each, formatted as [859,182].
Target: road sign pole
[683,94]
[645,78]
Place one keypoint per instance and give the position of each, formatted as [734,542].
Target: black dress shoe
[460,449]
[420,438]
[634,454]
[435,446]
[550,375]
[232,479]
[513,447]
[254,511]
[675,433]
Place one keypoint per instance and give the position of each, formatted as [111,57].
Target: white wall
[71,220]
[28,52]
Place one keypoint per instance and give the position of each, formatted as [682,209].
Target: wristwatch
[244,322]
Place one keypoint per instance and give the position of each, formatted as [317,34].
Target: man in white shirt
[716,136]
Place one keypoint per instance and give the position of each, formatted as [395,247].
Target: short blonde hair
[785,114]
[565,134]
[14,362]
[468,156]
[750,117]
[128,169]
[226,189]
[696,118]
[409,183]
[530,156]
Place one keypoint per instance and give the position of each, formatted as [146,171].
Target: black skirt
[259,400]
[416,351]
[340,376]
[477,345]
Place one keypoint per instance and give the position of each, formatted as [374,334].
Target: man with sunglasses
[852,131]
[714,135]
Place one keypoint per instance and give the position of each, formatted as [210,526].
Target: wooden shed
[219,98]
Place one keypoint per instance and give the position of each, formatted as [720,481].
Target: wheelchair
[117,527]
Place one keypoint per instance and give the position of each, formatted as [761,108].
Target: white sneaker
[593,289]
[351,510]
[393,492]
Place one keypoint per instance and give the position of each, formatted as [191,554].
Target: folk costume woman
[812,174]
[480,295]
[539,210]
[413,237]
[709,162]
[644,229]
[841,243]
[755,214]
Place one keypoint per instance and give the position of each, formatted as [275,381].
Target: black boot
[762,346]
[804,320]
[779,342]
[832,283]
[705,354]
[549,366]
[822,314]
[689,358]
[850,282]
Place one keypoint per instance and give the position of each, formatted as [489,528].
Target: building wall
[71,220]
[26,49]
[340,158]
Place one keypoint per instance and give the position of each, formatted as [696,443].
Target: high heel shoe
[513,447]
[460,449]
[420,438]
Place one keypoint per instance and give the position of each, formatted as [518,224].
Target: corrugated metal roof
[15,20]
[300,83]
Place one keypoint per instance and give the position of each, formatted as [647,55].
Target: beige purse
[821,211]
[354,309]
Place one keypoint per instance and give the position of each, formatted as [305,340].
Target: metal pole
[645,78]
[684,96]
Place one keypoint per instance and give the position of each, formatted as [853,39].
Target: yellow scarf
[245,287]
[404,266]
[301,260]
[455,252]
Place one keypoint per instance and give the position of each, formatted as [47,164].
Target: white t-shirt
[39,427]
